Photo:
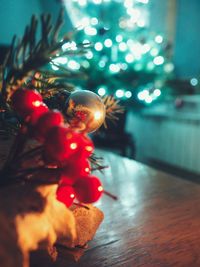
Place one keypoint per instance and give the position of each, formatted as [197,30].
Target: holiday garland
[49,147]
[62,148]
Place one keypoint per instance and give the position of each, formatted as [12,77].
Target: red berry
[25,101]
[87,146]
[37,113]
[46,122]
[61,143]
[75,169]
[65,194]
[88,189]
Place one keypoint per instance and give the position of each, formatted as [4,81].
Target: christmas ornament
[65,194]
[46,122]
[25,101]
[88,189]
[85,111]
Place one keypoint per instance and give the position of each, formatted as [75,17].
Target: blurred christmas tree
[126,60]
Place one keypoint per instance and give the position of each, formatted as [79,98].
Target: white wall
[187,42]
[169,139]
[15,15]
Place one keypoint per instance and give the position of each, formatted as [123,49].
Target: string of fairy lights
[119,47]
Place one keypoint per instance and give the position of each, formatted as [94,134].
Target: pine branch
[97,163]
[112,109]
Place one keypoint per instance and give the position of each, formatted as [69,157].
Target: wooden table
[155,222]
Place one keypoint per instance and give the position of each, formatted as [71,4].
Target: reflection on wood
[156,221]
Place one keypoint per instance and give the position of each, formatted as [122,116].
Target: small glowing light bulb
[194,81]
[87,170]
[119,38]
[101,91]
[128,94]
[129,58]
[37,103]
[98,46]
[100,188]
[108,42]
[159,39]
[89,148]
[73,146]
[157,92]
[159,60]
[119,93]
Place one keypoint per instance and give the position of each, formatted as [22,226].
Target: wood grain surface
[155,222]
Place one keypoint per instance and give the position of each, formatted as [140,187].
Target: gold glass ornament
[85,111]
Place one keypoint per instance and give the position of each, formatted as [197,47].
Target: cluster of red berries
[63,147]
